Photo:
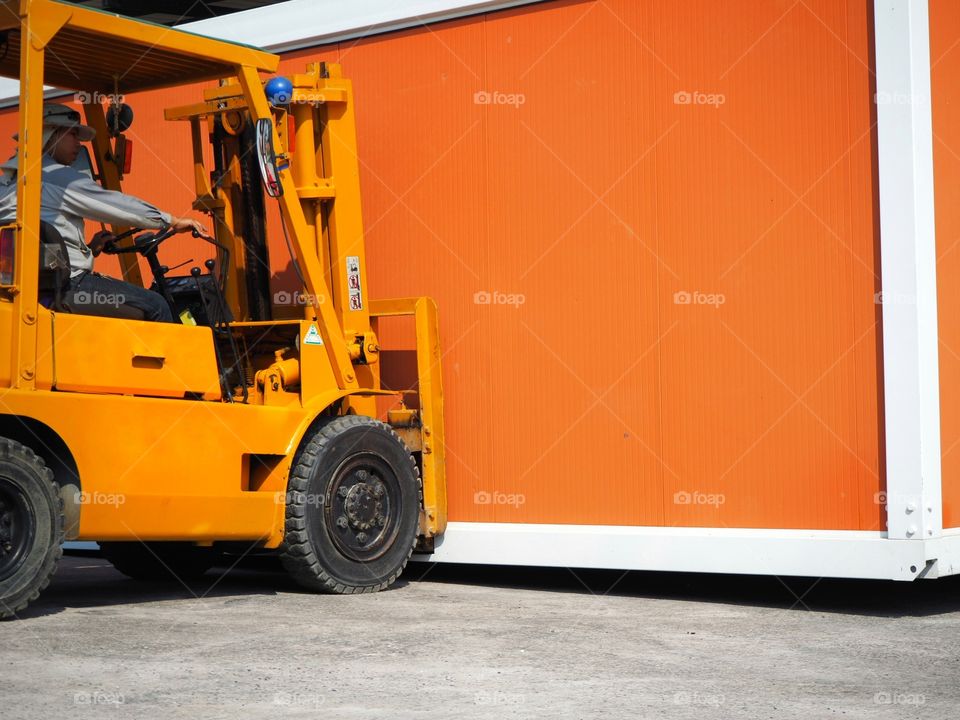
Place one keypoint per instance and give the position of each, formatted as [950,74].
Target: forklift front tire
[31,527]
[352,507]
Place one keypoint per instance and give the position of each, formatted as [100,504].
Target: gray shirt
[68,196]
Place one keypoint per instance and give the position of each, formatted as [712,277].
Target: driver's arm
[79,195]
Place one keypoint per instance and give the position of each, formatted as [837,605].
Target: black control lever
[221,369]
[222,307]
[179,265]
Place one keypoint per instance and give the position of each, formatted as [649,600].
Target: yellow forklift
[249,423]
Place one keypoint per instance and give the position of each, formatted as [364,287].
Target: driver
[69,196]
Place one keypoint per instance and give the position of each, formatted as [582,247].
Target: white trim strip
[811,553]
[299,24]
[909,269]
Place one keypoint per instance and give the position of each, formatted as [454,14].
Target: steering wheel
[144,244]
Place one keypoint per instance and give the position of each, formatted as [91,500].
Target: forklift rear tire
[159,561]
[31,527]
[352,507]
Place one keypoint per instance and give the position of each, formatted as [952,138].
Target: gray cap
[58,115]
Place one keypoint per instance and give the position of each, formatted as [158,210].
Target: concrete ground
[480,642]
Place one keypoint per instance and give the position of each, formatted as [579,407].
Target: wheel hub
[363,506]
[359,515]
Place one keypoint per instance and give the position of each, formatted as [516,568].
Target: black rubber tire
[32,502]
[314,548]
[159,561]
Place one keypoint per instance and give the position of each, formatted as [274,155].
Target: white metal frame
[908,261]
[915,544]
[812,553]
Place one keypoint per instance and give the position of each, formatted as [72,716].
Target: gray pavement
[480,642]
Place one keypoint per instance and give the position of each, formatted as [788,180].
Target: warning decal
[353,282]
[313,336]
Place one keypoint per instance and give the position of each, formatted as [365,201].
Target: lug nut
[361,537]
[342,521]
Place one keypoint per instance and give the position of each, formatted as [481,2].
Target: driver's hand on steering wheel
[99,240]
[185,224]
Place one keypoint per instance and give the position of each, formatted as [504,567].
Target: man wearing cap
[69,196]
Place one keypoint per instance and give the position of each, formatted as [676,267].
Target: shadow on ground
[86,581]
[880,598]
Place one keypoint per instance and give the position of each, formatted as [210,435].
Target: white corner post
[908,261]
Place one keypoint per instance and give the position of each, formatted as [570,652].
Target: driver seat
[54,283]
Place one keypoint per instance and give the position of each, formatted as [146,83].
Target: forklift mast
[314,134]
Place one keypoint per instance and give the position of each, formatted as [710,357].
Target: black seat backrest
[54,282]
[54,264]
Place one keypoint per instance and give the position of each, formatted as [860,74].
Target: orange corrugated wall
[945,69]
[601,197]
